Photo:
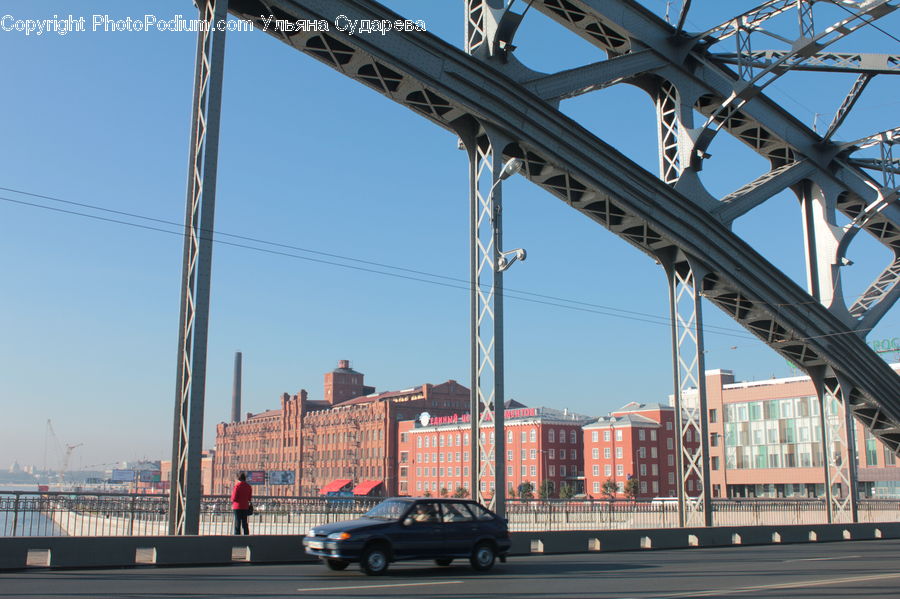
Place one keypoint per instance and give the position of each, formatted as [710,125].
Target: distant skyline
[334,174]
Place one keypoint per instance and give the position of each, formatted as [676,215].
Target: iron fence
[118,514]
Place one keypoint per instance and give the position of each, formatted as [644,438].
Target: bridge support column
[691,415]
[838,447]
[187,441]
[486,171]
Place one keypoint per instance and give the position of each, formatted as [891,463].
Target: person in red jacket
[240,503]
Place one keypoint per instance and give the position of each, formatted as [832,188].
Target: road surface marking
[821,559]
[771,587]
[380,586]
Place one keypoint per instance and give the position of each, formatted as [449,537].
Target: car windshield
[391,509]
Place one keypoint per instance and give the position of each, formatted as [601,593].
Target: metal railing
[118,514]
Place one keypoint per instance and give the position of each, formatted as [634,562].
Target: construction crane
[63,457]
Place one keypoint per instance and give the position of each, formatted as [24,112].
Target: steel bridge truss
[500,109]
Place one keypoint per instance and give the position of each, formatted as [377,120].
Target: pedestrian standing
[240,503]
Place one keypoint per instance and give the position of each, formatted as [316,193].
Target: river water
[19,521]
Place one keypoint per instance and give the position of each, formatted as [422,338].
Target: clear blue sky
[312,159]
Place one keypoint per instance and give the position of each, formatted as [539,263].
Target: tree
[427,494]
[609,488]
[545,490]
[631,488]
[460,492]
[566,491]
[444,492]
[526,491]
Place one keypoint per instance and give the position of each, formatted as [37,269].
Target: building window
[641,433]
[509,471]
[643,486]
[595,436]
[574,454]
[654,469]
[442,472]
[653,435]
[418,441]
[714,440]
[534,471]
[427,455]
[642,452]
[596,487]
[671,478]
[606,452]
[466,440]
[465,456]
[607,470]
[653,452]
[562,470]
[670,459]
[714,462]
[427,441]
[669,443]
[524,436]
[606,435]
[655,486]
[509,455]
[552,454]
[524,470]
[523,453]
[595,453]
[618,453]
[419,486]
[713,416]
[509,437]
[596,470]
[643,469]
[619,435]
[572,437]
[562,454]
[403,437]
[620,470]
[533,454]
[457,456]
[419,471]
[533,435]
[668,425]
[552,470]
[551,436]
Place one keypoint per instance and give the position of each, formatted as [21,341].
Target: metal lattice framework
[692,445]
[501,109]
[187,440]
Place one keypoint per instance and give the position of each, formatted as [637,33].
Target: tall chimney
[236,389]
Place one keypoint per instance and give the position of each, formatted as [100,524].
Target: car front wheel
[483,557]
[374,560]
[336,564]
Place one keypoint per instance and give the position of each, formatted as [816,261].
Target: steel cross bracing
[187,439]
[692,445]
[838,443]
[460,93]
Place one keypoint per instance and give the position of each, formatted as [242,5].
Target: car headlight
[339,536]
[311,532]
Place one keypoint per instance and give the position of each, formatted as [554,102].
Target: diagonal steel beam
[829,62]
[587,78]
[751,195]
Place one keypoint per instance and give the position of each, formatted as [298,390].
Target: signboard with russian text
[122,476]
[256,477]
[281,477]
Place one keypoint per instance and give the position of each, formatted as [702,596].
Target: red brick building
[346,442]
[542,444]
[637,441]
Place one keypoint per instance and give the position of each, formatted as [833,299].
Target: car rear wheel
[336,564]
[483,556]
[374,560]
[444,561]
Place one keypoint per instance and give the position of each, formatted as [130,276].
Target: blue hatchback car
[406,528]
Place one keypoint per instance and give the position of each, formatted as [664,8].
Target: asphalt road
[858,569]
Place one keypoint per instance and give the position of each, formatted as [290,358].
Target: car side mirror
[407,522]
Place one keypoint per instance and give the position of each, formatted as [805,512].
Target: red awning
[335,486]
[365,487]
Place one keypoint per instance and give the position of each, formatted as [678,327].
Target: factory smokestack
[236,389]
